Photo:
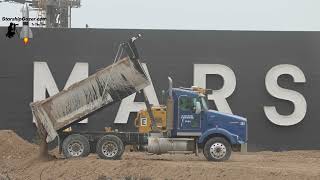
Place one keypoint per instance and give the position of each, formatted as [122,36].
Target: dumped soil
[19,161]
[14,147]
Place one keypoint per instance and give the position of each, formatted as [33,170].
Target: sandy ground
[18,160]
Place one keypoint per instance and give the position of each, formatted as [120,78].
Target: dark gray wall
[172,53]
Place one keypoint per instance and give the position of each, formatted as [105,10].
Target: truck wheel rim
[218,150]
[75,149]
[109,149]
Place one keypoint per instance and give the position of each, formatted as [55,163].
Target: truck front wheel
[75,145]
[110,147]
[217,149]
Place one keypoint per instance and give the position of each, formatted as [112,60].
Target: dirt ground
[18,160]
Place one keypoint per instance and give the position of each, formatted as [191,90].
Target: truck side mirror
[198,107]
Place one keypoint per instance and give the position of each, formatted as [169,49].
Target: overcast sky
[292,15]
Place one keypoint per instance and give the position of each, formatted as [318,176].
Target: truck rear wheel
[217,149]
[110,147]
[75,145]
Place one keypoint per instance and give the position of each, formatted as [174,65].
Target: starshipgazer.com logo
[26,32]
[19,19]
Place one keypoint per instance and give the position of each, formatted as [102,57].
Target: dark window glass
[185,103]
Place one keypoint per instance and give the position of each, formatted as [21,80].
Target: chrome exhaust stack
[170,109]
[170,87]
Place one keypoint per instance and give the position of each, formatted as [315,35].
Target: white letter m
[43,80]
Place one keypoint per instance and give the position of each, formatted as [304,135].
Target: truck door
[188,120]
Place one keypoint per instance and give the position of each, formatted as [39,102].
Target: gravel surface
[18,160]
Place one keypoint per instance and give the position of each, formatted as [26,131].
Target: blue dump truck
[184,124]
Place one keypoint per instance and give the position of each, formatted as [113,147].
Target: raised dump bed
[81,99]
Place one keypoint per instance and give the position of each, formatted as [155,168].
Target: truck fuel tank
[160,145]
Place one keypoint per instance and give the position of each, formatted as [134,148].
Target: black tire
[75,145]
[110,147]
[217,149]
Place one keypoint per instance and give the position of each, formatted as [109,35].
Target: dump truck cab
[193,118]
[186,123]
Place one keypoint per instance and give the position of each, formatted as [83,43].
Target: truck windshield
[204,103]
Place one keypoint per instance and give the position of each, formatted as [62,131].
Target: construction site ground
[18,160]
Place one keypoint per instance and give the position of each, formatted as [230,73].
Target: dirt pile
[14,147]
